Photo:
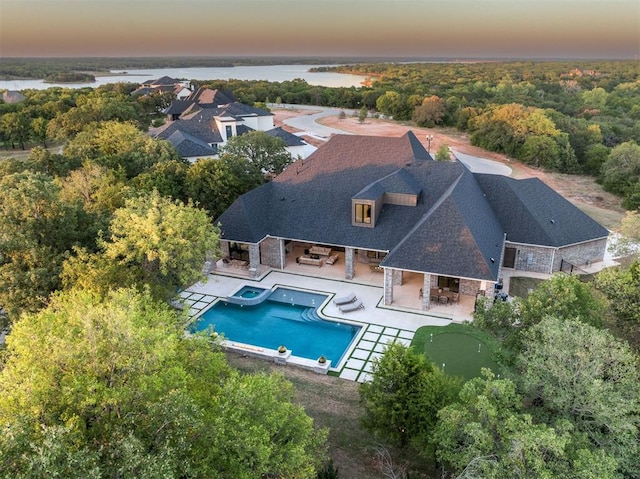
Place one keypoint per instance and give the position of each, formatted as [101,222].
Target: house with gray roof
[214,116]
[384,202]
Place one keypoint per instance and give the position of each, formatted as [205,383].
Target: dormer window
[363,213]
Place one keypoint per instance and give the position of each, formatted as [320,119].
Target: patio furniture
[319,250]
[352,306]
[309,260]
[443,299]
[350,298]
[332,259]
[455,297]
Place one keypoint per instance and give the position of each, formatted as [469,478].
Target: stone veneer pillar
[426,291]
[388,285]
[254,260]
[349,270]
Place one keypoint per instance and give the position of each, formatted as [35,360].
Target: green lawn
[461,350]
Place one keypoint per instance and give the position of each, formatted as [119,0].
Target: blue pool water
[287,317]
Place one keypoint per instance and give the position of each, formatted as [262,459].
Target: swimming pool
[286,317]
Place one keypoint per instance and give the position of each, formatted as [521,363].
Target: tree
[16,128]
[282,444]
[621,170]
[362,114]
[563,296]
[166,240]
[120,145]
[111,387]
[443,153]
[628,241]
[37,229]
[540,151]
[393,104]
[39,130]
[168,178]
[430,112]
[572,371]
[622,288]
[485,433]
[267,153]
[404,395]
[215,184]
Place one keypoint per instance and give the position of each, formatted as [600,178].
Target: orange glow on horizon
[453,28]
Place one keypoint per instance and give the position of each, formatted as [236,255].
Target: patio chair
[455,297]
[443,299]
[350,298]
[351,306]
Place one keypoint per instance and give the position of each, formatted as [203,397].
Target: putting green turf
[461,354]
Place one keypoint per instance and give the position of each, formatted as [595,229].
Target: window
[229,131]
[363,213]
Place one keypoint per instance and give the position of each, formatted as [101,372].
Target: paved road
[308,124]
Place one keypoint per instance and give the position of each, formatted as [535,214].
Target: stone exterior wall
[271,251]
[548,260]
[532,258]
[469,287]
[224,248]
[582,254]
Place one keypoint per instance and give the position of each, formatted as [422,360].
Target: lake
[272,73]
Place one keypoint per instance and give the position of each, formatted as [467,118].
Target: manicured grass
[462,349]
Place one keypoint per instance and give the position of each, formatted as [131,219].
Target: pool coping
[382,324]
[272,354]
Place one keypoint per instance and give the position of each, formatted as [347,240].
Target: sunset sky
[407,28]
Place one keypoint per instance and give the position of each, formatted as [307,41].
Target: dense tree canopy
[571,370]
[112,388]
[120,145]
[166,240]
[37,228]
[266,152]
[402,399]
[486,433]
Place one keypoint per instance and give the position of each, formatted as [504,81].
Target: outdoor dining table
[437,293]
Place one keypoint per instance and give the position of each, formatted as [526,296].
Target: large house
[200,124]
[181,89]
[385,202]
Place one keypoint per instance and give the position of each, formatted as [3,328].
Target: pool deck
[380,324]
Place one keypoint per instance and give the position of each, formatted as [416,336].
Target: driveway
[308,126]
[307,122]
[482,165]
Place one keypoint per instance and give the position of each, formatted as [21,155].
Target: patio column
[388,285]
[349,270]
[398,276]
[426,291]
[254,260]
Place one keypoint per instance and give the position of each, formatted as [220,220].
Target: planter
[322,368]
[282,355]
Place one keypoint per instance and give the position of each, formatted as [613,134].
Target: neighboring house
[384,200]
[212,117]
[12,96]
[180,88]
